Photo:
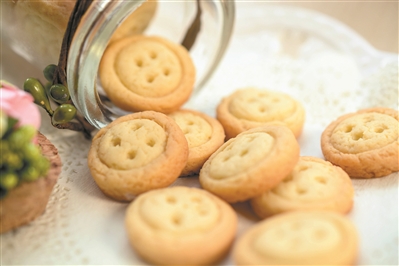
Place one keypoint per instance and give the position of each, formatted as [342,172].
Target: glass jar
[104,21]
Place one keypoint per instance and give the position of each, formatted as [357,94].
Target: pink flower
[19,104]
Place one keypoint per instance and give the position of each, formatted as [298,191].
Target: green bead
[59,93]
[48,72]
[64,113]
[21,136]
[29,173]
[8,180]
[35,88]
[12,161]
[31,152]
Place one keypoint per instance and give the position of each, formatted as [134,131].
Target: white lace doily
[320,62]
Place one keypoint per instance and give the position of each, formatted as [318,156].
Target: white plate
[330,69]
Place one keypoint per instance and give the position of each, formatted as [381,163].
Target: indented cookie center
[309,181]
[196,129]
[365,132]
[240,154]
[180,213]
[262,106]
[132,144]
[303,238]
[148,68]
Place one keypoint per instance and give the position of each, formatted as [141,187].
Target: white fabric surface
[333,72]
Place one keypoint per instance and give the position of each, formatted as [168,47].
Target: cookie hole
[288,178]
[171,200]
[131,155]
[177,219]
[243,153]
[379,130]
[150,142]
[186,131]
[303,168]
[166,72]
[139,62]
[348,129]
[274,190]
[153,55]
[357,136]
[301,191]
[321,180]
[190,123]
[225,159]
[116,142]
[262,109]
[150,79]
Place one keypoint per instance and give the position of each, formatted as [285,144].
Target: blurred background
[376,21]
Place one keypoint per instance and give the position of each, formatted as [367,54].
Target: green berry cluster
[59,93]
[20,159]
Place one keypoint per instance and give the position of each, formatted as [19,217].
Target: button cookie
[313,184]
[180,226]
[365,144]
[250,164]
[250,107]
[204,135]
[136,153]
[299,238]
[141,73]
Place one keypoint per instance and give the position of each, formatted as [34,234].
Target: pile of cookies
[248,153]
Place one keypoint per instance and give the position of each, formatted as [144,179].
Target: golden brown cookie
[204,135]
[141,73]
[180,226]
[313,184]
[137,153]
[251,163]
[251,107]
[365,144]
[299,238]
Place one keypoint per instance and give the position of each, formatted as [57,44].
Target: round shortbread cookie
[251,163]
[313,184]
[141,73]
[251,107]
[299,238]
[180,226]
[137,153]
[365,144]
[204,135]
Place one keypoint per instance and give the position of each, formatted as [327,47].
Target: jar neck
[87,47]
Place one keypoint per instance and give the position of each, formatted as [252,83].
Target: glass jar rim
[89,44]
